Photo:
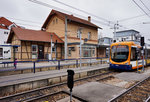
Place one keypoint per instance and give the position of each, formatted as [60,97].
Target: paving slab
[147,72]
[97,92]
[131,76]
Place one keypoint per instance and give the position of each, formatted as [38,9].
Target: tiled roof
[33,35]
[70,17]
[4,23]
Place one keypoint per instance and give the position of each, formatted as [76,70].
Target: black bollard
[70,82]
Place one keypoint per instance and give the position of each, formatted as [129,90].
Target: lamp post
[51,45]
[79,31]
[65,45]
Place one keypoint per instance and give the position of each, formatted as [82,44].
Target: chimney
[89,18]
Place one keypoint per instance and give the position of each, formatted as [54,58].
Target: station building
[37,44]
[55,22]
[34,44]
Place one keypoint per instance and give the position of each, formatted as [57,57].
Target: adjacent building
[5,26]
[103,45]
[56,23]
[34,44]
[127,35]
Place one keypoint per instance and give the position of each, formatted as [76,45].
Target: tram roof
[125,43]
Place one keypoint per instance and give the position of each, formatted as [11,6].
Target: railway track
[31,95]
[140,92]
[53,97]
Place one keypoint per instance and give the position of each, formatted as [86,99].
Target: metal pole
[137,64]
[114,31]
[34,67]
[77,63]
[109,55]
[90,62]
[115,28]
[58,64]
[14,55]
[51,46]
[143,58]
[80,46]
[70,95]
[66,51]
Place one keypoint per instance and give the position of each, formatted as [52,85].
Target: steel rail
[55,93]
[140,82]
[148,99]
[52,86]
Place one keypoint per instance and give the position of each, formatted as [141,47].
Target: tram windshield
[119,53]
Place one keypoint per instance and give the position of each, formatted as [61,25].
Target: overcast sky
[32,15]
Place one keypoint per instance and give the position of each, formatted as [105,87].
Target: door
[1,52]
[40,52]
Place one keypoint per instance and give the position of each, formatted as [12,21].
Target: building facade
[127,35]
[55,22]
[5,27]
[35,45]
[105,41]
[103,46]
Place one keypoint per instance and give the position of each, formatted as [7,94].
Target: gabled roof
[4,23]
[131,30]
[33,35]
[69,17]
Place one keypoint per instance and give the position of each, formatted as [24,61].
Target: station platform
[106,90]
[22,82]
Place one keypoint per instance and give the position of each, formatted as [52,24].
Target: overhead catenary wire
[51,6]
[144,5]
[130,18]
[109,23]
[83,11]
[141,8]
[23,20]
[27,24]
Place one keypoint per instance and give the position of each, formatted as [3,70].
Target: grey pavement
[131,76]
[100,92]
[21,78]
[97,92]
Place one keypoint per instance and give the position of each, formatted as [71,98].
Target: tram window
[133,51]
[119,53]
[148,53]
[133,54]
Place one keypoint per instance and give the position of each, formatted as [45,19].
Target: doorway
[1,52]
[40,52]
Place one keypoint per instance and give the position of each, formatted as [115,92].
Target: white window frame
[89,35]
[78,34]
[34,52]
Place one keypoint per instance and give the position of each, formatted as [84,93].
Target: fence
[58,64]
